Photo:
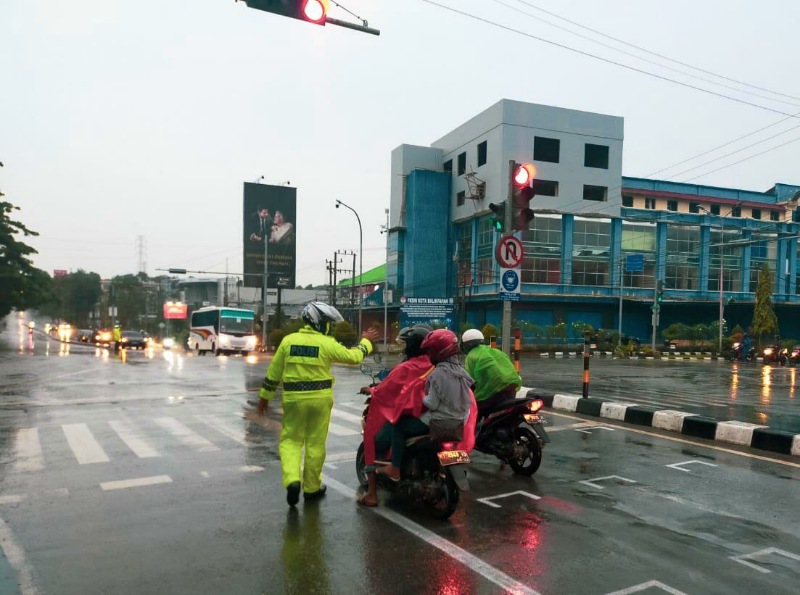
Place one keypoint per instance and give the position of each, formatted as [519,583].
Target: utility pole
[507,226]
[385,291]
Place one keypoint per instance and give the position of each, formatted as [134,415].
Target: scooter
[513,431]
[793,356]
[432,474]
[736,353]
[775,354]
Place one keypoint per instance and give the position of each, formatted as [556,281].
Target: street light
[721,263]
[360,256]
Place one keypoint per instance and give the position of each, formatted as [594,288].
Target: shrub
[490,330]
[275,338]
[345,333]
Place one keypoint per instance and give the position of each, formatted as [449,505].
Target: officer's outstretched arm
[341,354]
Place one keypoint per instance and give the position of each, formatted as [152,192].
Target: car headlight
[768,351]
[169,342]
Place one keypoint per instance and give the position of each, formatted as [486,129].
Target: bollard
[493,342]
[517,348]
[586,355]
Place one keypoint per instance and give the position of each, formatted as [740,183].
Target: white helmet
[320,316]
[470,339]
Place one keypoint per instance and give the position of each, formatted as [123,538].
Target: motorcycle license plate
[453,457]
[535,418]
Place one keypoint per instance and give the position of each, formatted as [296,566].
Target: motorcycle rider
[302,363]
[745,347]
[496,380]
[400,393]
[448,399]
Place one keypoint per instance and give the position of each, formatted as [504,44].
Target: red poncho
[400,393]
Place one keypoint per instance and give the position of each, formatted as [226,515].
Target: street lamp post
[264,293]
[360,255]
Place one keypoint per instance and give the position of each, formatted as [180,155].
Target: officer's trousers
[305,425]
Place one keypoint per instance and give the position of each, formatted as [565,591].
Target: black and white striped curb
[664,355]
[688,424]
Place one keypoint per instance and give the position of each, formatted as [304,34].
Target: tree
[22,286]
[764,319]
[76,297]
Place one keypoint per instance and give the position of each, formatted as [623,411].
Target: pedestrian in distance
[496,379]
[302,364]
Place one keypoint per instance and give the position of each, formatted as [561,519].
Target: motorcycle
[793,356]
[736,353]
[432,473]
[501,431]
[774,354]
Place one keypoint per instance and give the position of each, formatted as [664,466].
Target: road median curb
[687,424]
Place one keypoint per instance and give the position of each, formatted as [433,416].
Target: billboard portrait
[270,225]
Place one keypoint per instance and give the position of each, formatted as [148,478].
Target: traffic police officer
[302,363]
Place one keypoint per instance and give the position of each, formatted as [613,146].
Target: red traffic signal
[315,11]
[311,11]
[524,174]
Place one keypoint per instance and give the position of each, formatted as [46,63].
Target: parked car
[134,340]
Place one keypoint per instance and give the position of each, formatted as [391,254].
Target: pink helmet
[440,345]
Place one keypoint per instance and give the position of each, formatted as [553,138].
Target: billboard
[175,311]
[59,273]
[269,226]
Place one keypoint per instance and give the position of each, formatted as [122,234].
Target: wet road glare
[149,472]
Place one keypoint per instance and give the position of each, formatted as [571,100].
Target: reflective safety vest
[303,363]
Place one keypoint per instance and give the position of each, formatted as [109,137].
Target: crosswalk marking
[236,434]
[351,406]
[347,416]
[133,438]
[28,450]
[185,435]
[85,448]
[338,430]
[135,483]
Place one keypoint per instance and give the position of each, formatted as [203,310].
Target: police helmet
[320,316]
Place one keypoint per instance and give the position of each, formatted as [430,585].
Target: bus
[222,331]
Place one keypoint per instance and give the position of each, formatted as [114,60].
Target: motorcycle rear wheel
[529,464]
[447,503]
[361,474]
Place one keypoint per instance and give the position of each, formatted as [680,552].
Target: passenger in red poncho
[400,393]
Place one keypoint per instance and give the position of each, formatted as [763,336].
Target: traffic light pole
[506,330]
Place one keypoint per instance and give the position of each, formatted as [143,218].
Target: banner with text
[438,312]
[269,226]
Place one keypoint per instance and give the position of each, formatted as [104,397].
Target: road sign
[509,285]
[634,263]
[509,252]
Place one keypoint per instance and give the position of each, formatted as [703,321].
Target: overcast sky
[125,119]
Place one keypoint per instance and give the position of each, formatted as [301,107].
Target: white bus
[222,330]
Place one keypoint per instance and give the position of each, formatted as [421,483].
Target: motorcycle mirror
[366,370]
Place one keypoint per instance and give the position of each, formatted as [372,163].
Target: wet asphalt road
[149,474]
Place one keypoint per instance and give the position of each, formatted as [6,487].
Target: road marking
[338,430]
[134,439]
[347,416]
[85,448]
[251,469]
[135,483]
[16,558]
[339,457]
[264,422]
[518,492]
[680,466]
[237,434]
[589,431]
[12,499]
[359,408]
[591,482]
[583,424]
[185,435]
[648,585]
[765,552]
[692,442]
[205,474]
[29,450]
[470,561]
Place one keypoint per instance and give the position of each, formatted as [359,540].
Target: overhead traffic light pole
[506,325]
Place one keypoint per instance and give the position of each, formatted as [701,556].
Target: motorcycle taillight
[535,405]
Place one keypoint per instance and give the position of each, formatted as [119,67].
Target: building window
[542,246]
[760,254]
[627,200]
[672,205]
[694,207]
[640,239]
[774,216]
[462,164]
[596,156]
[650,203]
[546,149]
[591,249]
[732,260]
[485,264]
[448,166]
[545,188]
[736,212]
[598,193]
[683,257]
[715,209]
[460,198]
[755,213]
[481,153]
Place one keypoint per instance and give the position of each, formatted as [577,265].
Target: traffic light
[499,217]
[522,176]
[311,11]
[659,292]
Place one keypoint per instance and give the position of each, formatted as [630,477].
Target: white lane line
[472,562]
[135,483]
[346,416]
[338,430]
[582,424]
[339,457]
[770,550]
[85,448]
[351,406]
[237,434]
[646,586]
[12,499]
[185,435]
[134,439]
[16,558]
[29,450]
[251,469]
